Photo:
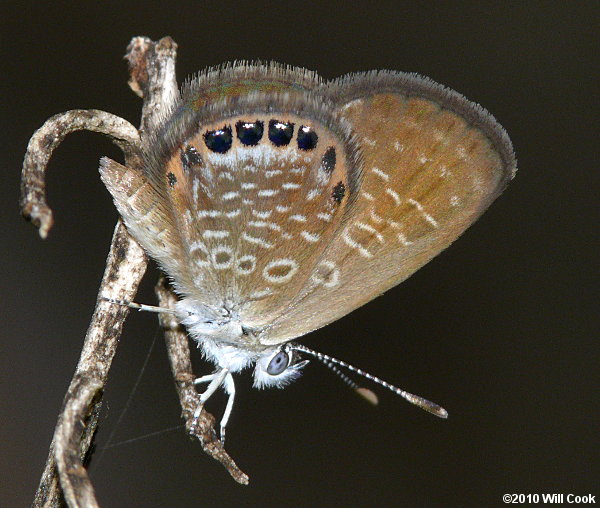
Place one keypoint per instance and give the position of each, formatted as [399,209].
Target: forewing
[431,163]
[147,215]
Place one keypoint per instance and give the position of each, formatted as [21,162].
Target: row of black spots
[172,179]
[338,192]
[281,133]
[190,158]
[328,160]
[219,140]
[307,138]
[250,134]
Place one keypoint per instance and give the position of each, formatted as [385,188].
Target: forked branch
[152,70]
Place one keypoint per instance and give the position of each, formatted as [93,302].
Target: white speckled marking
[333,275]
[209,233]
[228,196]
[369,141]
[264,224]
[394,195]
[257,241]
[267,192]
[370,229]
[355,245]
[310,237]
[245,271]
[444,171]
[280,279]
[403,240]
[262,293]
[312,194]
[209,213]
[382,174]
[352,104]
[198,245]
[461,152]
[195,185]
[368,196]
[220,249]
[233,213]
[262,214]
[425,215]
[374,217]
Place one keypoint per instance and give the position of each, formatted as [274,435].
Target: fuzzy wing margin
[432,163]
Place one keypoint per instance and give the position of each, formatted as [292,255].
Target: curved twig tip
[40,215]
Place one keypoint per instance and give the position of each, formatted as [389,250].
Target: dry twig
[179,355]
[152,70]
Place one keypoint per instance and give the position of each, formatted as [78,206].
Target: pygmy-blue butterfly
[277,202]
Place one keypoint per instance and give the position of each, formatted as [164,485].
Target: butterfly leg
[204,379]
[229,386]
[215,380]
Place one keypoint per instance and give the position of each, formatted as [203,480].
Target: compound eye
[278,363]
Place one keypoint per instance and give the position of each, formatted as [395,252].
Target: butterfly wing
[147,215]
[235,217]
[291,239]
[431,163]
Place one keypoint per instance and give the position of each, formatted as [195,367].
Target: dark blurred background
[501,329]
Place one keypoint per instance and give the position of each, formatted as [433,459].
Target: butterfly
[278,202]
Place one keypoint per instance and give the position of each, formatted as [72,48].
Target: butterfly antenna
[140,306]
[330,362]
[363,392]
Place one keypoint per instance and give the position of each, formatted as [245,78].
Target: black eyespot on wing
[219,140]
[328,160]
[339,191]
[280,133]
[249,133]
[190,158]
[307,138]
[172,179]
[278,363]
